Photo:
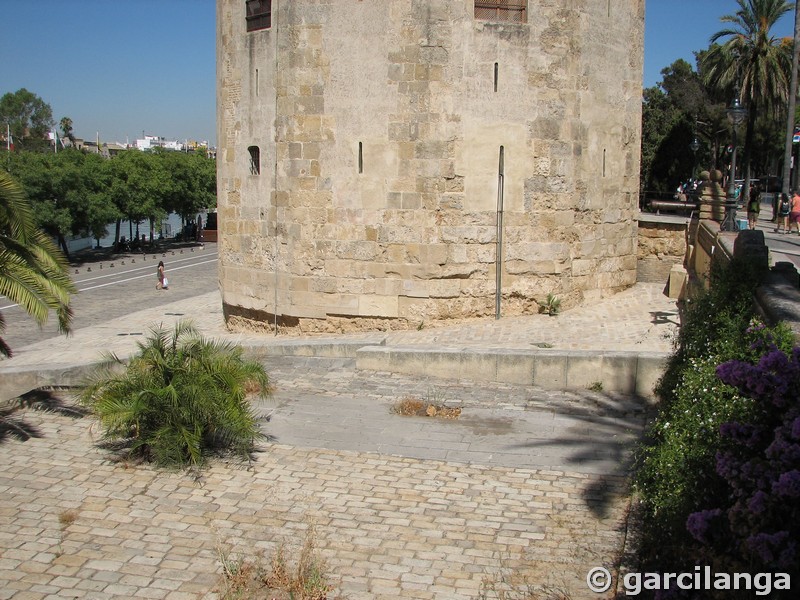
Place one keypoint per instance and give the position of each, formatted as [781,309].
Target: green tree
[98,207]
[180,398]
[33,273]
[29,117]
[673,113]
[55,187]
[752,63]
[137,183]
[191,184]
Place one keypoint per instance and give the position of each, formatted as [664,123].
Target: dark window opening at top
[509,11]
[259,14]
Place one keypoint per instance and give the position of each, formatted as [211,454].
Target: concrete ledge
[16,381]
[625,372]
[324,348]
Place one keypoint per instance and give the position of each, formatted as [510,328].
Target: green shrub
[179,398]
[676,465]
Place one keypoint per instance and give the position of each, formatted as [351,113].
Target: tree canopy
[29,118]
[743,58]
[78,193]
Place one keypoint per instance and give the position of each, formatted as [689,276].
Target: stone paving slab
[325,403]
[389,527]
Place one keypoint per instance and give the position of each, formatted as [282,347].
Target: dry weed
[305,580]
[414,407]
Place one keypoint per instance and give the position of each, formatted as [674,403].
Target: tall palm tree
[66,128]
[751,62]
[33,273]
[792,104]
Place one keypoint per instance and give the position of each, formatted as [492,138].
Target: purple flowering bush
[759,459]
[684,465]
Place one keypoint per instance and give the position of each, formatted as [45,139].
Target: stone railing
[777,299]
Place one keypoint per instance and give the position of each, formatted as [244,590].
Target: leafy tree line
[743,60]
[77,193]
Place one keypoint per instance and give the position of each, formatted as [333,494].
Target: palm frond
[33,272]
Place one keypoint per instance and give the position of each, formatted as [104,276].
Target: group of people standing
[786,213]
[785,210]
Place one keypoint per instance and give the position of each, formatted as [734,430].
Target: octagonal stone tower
[371,153]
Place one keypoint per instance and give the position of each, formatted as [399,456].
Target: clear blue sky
[115,67]
[677,28]
[124,68]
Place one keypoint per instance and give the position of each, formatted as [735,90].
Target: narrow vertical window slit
[496,72]
[360,157]
[255,160]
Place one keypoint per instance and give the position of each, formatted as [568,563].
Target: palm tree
[751,63]
[790,113]
[33,273]
[66,129]
[179,398]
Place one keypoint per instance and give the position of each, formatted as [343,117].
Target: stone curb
[624,372]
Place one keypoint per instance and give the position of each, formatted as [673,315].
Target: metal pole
[499,253]
[729,222]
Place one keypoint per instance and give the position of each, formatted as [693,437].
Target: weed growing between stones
[305,578]
[551,305]
[510,585]
[65,519]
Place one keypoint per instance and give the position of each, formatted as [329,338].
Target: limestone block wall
[662,245]
[379,126]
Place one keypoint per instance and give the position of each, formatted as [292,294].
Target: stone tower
[372,152]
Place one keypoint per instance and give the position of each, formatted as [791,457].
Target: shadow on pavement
[614,426]
[43,399]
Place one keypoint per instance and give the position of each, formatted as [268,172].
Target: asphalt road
[112,287]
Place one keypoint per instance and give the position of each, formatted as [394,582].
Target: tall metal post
[499,253]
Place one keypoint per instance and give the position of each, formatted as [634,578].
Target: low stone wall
[777,299]
[661,245]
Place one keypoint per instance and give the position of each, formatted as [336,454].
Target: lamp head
[737,113]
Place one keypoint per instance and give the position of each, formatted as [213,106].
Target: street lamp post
[694,146]
[737,114]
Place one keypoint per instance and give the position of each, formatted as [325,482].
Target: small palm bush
[179,398]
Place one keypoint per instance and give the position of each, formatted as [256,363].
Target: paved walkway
[525,481]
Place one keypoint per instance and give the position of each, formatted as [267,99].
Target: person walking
[163,283]
[784,207]
[753,207]
[794,213]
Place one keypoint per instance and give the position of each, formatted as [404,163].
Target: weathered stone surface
[380,158]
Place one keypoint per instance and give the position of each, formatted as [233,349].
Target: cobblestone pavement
[76,525]
[524,481]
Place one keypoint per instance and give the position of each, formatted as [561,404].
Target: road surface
[112,288]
